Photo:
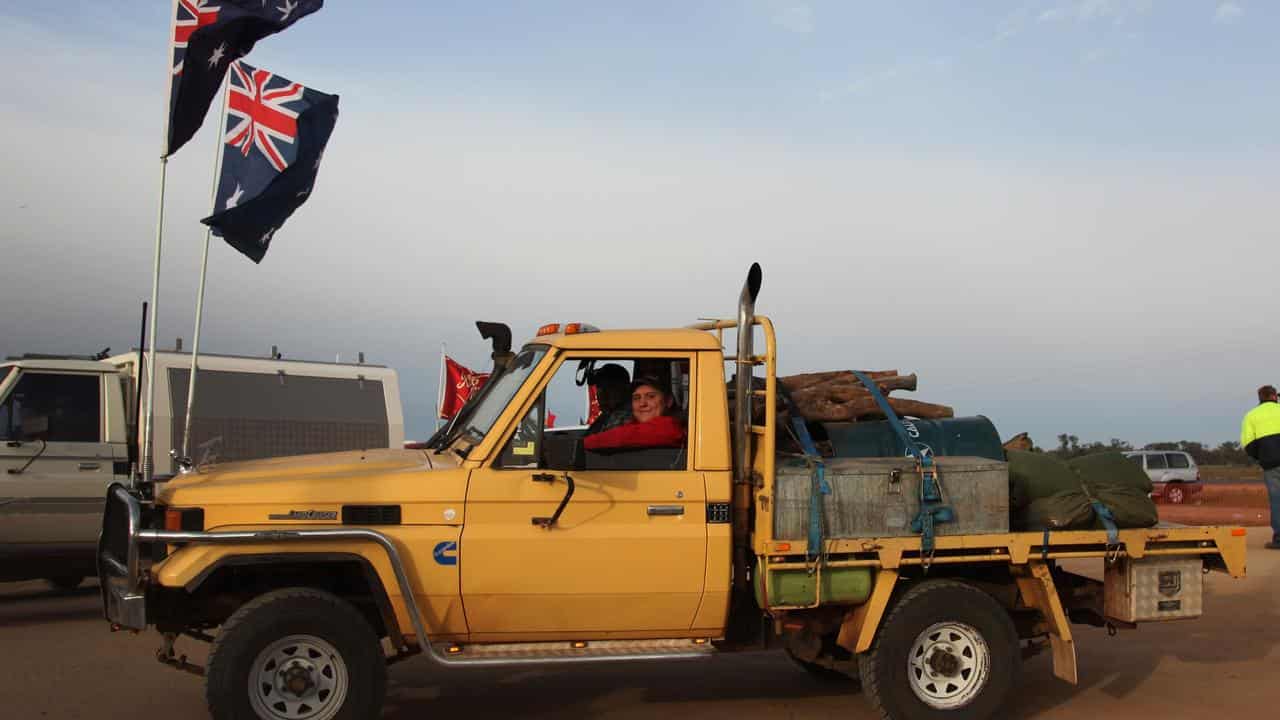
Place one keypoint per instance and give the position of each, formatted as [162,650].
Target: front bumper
[124,601]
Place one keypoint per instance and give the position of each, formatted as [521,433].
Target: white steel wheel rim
[1175,495]
[299,677]
[949,665]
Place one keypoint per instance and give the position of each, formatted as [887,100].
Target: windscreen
[499,393]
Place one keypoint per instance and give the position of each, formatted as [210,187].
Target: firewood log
[804,380]
[1021,441]
[843,379]
[826,409]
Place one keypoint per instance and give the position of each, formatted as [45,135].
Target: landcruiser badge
[1170,582]
[305,515]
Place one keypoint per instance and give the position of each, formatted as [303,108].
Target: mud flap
[859,627]
[1035,584]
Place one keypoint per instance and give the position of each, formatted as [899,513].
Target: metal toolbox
[1156,588]
[879,497]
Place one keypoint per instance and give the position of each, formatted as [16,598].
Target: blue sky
[1058,213]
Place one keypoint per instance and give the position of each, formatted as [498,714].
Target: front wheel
[296,654]
[946,650]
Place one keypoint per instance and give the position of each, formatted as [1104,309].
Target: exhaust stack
[742,386]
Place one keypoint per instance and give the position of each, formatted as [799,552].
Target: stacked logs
[838,396]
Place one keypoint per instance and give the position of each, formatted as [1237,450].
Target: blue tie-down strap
[817,489]
[932,510]
[1108,521]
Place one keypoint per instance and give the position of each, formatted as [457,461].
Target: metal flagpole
[148,465]
[440,389]
[204,269]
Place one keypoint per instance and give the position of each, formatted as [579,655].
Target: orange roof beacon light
[572,328]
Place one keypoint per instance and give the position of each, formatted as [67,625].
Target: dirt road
[58,660]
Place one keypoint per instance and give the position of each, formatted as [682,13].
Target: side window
[1156,462]
[56,408]
[1177,461]
[524,449]
[623,426]
[1135,459]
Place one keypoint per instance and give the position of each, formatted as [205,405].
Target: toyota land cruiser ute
[508,543]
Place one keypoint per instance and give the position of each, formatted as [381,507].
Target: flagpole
[440,389]
[146,462]
[204,270]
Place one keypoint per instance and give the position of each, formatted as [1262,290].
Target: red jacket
[662,431]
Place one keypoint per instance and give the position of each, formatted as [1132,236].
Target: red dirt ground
[1222,504]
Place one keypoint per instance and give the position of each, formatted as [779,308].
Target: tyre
[945,650]
[1174,494]
[66,583]
[299,654]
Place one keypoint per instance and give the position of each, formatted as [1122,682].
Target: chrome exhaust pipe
[742,386]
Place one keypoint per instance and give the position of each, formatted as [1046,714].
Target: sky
[1060,214]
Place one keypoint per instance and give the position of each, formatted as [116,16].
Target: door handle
[666,509]
[90,465]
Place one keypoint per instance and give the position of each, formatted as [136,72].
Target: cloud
[796,18]
[920,69]
[1093,56]
[1087,11]
[1227,13]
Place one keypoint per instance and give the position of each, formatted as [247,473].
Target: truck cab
[67,433]
[504,542]
[63,441]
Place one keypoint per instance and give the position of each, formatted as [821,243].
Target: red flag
[551,419]
[594,411]
[459,384]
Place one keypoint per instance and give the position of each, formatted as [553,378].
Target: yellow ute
[509,541]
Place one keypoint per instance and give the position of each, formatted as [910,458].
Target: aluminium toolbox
[879,497]
[1154,588]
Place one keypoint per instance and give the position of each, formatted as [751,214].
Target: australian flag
[207,36]
[276,133]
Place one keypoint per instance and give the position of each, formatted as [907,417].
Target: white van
[66,426]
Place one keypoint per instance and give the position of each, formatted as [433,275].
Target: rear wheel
[296,654]
[1174,494]
[946,650]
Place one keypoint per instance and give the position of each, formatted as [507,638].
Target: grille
[370,514]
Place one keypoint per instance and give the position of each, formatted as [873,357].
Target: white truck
[67,431]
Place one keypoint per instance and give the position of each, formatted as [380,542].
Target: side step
[579,651]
